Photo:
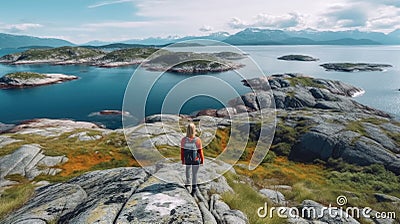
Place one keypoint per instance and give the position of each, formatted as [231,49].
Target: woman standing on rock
[191,155]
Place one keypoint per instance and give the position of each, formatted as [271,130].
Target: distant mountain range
[256,36]
[249,36]
[17,41]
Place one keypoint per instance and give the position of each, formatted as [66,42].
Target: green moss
[305,81]
[129,54]
[286,136]
[356,126]
[291,94]
[25,75]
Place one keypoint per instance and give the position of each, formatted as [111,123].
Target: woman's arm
[200,149]
[182,153]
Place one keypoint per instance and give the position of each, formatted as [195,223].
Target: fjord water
[103,88]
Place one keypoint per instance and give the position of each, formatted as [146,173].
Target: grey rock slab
[49,204]
[6,140]
[108,191]
[52,127]
[156,201]
[274,195]
[5,127]
[28,161]
[386,198]
[376,133]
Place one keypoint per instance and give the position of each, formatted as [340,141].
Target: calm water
[103,88]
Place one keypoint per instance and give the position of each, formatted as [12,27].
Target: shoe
[194,190]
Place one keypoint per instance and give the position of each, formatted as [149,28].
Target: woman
[191,155]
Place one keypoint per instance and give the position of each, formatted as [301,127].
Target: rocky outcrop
[326,121]
[28,161]
[355,67]
[130,195]
[296,91]
[357,138]
[295,57]
[24,80]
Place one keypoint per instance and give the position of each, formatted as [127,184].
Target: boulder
[275,196]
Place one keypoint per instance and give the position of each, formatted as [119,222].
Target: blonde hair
[191,130]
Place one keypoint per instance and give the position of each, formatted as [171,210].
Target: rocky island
[355,67]
[296,57]
[162,60]
[325,145]
[189,62]
[32,79]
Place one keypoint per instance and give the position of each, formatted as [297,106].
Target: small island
[355,67]
[297,57]
[32,79]
[163,60]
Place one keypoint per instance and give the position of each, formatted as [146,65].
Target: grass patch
[374,120]
[13,198]
[25,75]
[247,200]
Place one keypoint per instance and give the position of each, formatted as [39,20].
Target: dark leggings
[195,169]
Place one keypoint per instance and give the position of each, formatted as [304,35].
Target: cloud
[100,4]
[385,18]
[118,24]
[264,20]
[206,28]
[281,21]
[344,16]
[17,28]
[237,23]
[395,3]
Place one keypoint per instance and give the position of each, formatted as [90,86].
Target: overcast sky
[112,20]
